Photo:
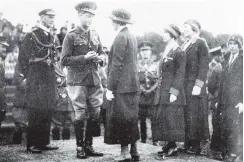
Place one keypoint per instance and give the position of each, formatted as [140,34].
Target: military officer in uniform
[36,64]
[81,55]
[3,47]
[147,71]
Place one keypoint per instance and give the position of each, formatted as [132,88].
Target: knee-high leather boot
[89,140]
[80,129]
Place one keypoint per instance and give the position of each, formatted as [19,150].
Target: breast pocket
[80,47]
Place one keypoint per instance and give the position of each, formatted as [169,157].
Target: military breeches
[86,101]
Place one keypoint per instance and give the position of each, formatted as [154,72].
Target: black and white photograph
[121,80]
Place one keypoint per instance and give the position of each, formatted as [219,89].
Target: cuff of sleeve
[174,91]
[199,83]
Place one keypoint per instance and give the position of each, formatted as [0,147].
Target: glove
[240,107]
[109,95]
[196,90]
[172,98]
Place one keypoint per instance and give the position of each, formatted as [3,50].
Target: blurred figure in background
[62,34]
[63,115]
[213,85]
[147,70]
[10,63]
[3,48]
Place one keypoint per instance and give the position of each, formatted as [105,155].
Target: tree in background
[208,36]
[221,39]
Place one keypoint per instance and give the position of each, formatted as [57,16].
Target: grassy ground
[66,153]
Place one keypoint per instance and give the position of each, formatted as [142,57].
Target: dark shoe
[81,154]
[34,150]
[48,148]
[56,133]
[143,141]
[91,152]
[166,149]
[172,152]
[17,137]
[218,156]
[135,158]
[66,134]
[192,150]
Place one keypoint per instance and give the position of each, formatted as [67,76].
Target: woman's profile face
[166,36]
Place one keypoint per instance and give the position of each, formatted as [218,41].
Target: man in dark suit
[122,88]
[81,54]
[231,100]
[36,59]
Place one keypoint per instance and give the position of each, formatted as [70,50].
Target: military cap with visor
[87,6]
[145,45]
[49,11]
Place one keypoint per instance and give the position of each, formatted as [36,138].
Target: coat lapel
[193,41]
[235,62]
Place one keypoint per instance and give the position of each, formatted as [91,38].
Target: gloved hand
[109,95]
[172,98]
[240,107]
[196,90]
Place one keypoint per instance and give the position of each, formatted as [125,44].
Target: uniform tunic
[83,80]
[40,88]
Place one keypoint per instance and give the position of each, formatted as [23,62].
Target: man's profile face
[48,20]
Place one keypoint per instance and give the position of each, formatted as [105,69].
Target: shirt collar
[120,29]
[44,28]
[234,56]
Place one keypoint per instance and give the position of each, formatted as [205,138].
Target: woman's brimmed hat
[237,38]
[173,29]
[121,15]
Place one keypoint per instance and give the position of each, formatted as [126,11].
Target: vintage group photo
[121,81]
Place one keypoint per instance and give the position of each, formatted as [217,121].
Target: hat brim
[121,20]
[145,48]
[89,11]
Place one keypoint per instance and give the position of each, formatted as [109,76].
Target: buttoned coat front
[122,112]
[169,117]
[196,112]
